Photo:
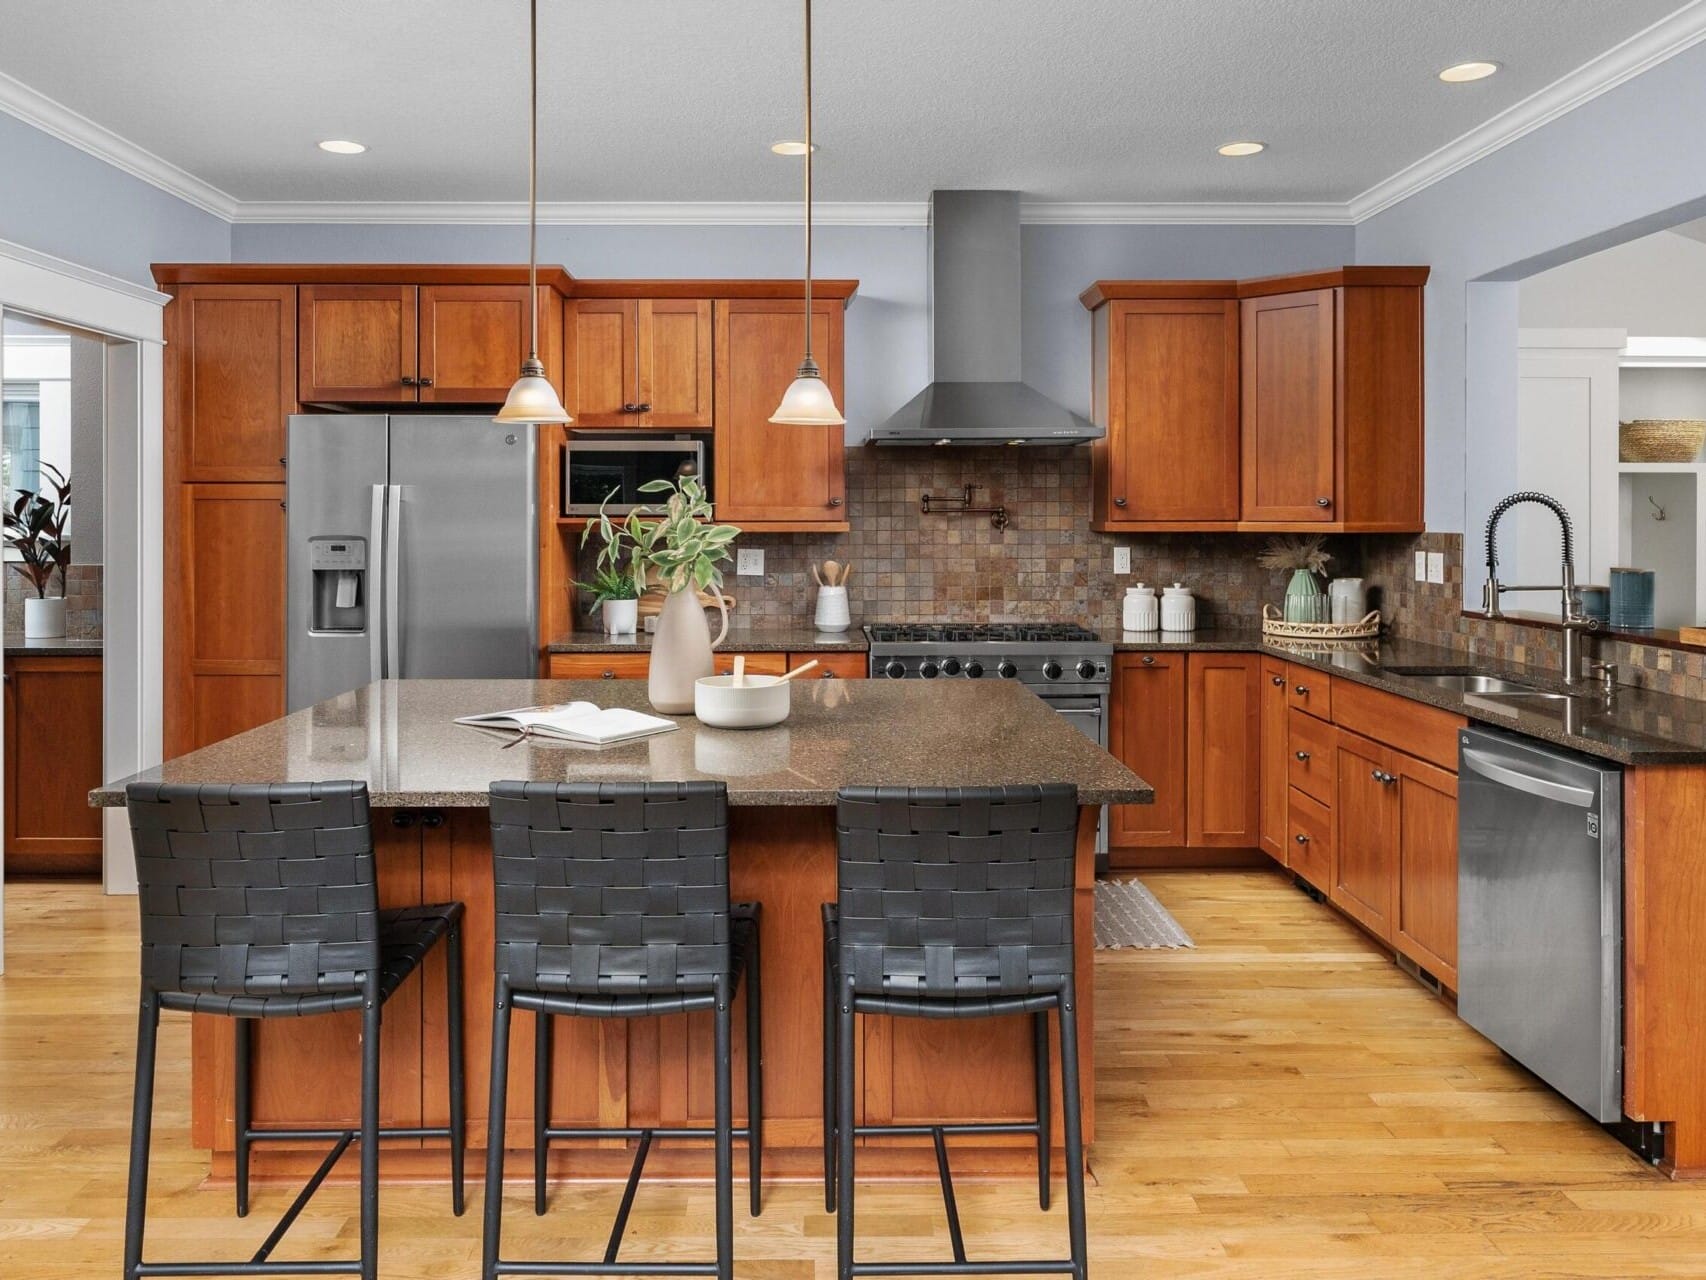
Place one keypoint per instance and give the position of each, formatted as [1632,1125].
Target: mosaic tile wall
[1433,614]
[1046,565]
[82,602]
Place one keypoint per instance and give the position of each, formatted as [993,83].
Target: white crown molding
[42,285]
[76,271]
[757,213]
[1049,213]
[35,108]
[1664,39]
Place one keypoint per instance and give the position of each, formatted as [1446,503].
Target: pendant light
[533,398]
[807,401]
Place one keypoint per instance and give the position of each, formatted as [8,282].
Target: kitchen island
[428,780]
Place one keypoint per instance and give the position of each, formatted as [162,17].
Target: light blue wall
[1620,166]
[57,199]
[887,325]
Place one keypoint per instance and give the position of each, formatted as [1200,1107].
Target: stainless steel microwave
[610,467]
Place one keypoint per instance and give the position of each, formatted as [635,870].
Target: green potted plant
[680,544]
[35,529]
[616,580]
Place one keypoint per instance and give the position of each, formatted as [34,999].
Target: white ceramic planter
[621,617]
[44,619]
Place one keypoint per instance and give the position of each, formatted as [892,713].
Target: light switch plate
[1122,559]
[749,562]
[1421,566]
[1436,567]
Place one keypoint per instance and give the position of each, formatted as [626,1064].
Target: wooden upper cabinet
[1288,471]
[601,383]
[1147,734]
[231,379]
[1170,456]
[769,474]
[473,338]
[356,343]
[1223,749]
[675,362]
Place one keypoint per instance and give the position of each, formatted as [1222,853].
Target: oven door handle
[1085,706]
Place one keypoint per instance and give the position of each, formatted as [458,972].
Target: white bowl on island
[757,702]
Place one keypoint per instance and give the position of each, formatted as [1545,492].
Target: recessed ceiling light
[1464,72]
[1242,148]
[342,147]
[790,147]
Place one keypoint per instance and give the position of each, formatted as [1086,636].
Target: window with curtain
[20,438]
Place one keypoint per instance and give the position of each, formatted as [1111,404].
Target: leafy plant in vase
[35,529]
[1305,558]
[615,586]
[679,544]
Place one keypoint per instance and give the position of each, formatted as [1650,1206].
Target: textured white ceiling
[678,100]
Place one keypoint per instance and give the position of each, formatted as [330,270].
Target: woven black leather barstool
[613,902]
[260,901]
[953,903]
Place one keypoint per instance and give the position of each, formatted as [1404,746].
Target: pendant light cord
[808,362]
[533,180]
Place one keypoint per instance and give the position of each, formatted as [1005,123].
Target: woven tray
[1274,624]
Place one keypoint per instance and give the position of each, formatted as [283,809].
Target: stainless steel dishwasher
[1540,912]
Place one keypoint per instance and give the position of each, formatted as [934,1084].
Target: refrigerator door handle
[376,587]
[394,584]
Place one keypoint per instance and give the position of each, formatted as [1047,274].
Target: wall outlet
[1122,559]
[749,562]
[1421,566]
[1436,567]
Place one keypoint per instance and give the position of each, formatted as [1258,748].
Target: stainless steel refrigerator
[413,551]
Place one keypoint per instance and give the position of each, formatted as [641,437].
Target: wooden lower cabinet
[1147,733]
[1365,855]
[1272,815]
[1222,718]
[1425,926]
[635,666]
[1309,837]
[53,761]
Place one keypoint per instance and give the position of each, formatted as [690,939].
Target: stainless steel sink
[1468,680]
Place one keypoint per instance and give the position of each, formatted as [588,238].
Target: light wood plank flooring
[1279,1102]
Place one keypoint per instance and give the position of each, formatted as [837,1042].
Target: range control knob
[974,669]
[895,669]
[1006,670]
[950,666]
[1086,670]
[1051,670]
[927,669]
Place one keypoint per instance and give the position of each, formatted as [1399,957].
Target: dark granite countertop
[795,638]
[59,647]
[399,738]
[1634,727]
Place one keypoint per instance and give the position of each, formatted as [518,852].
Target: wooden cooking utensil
[832,572]
[740,671]
[798,671]
[846,573]
[817,576]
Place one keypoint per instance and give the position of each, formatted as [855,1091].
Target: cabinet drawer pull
[827,675]
[608,674]
[1302,839]
[1279,682]
[1302,690]
[1303,755]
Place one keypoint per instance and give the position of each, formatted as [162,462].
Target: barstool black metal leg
[754,1083]
[542,1025]
[1073,1117]
[829,1059]
[1040,1023]
[458,1085]
[725,1138]
[243,1033]
[141,1125]
[844,1084]
[370,1138]
[492,1225]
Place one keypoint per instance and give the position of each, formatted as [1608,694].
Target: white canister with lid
[1140,611]
[1178,608]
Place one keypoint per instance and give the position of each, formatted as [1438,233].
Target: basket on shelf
[1660,439]
[1274,624]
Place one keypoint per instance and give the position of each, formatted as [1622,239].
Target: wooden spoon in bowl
[797,671]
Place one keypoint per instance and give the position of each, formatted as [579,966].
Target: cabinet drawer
[599,666]
[1309,756]
[757,664]
[832,666]
[1309,839]
[1412,727]
[1310,691]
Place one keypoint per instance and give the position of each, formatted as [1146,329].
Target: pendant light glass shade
[532,398]
[807,401]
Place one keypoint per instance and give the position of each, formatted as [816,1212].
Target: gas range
[1045,655]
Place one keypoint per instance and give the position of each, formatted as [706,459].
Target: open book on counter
[574,722]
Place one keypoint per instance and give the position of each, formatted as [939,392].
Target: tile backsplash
[82,601]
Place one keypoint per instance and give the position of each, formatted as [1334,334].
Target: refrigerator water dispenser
[338,566]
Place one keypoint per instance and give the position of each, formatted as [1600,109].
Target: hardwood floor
[1279,1102]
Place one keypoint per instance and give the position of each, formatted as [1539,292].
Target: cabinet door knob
[1302,690]
[1387,779]
[835,502]
[1149,659]
[1303,755]
[827,675]
[630,408]
[1323,502]
[1302,839]
[1119,502]
[425,382]
[1279,682]
[408,381]
[608,674]
[643,408]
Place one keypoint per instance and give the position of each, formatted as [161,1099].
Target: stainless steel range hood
[977,395]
